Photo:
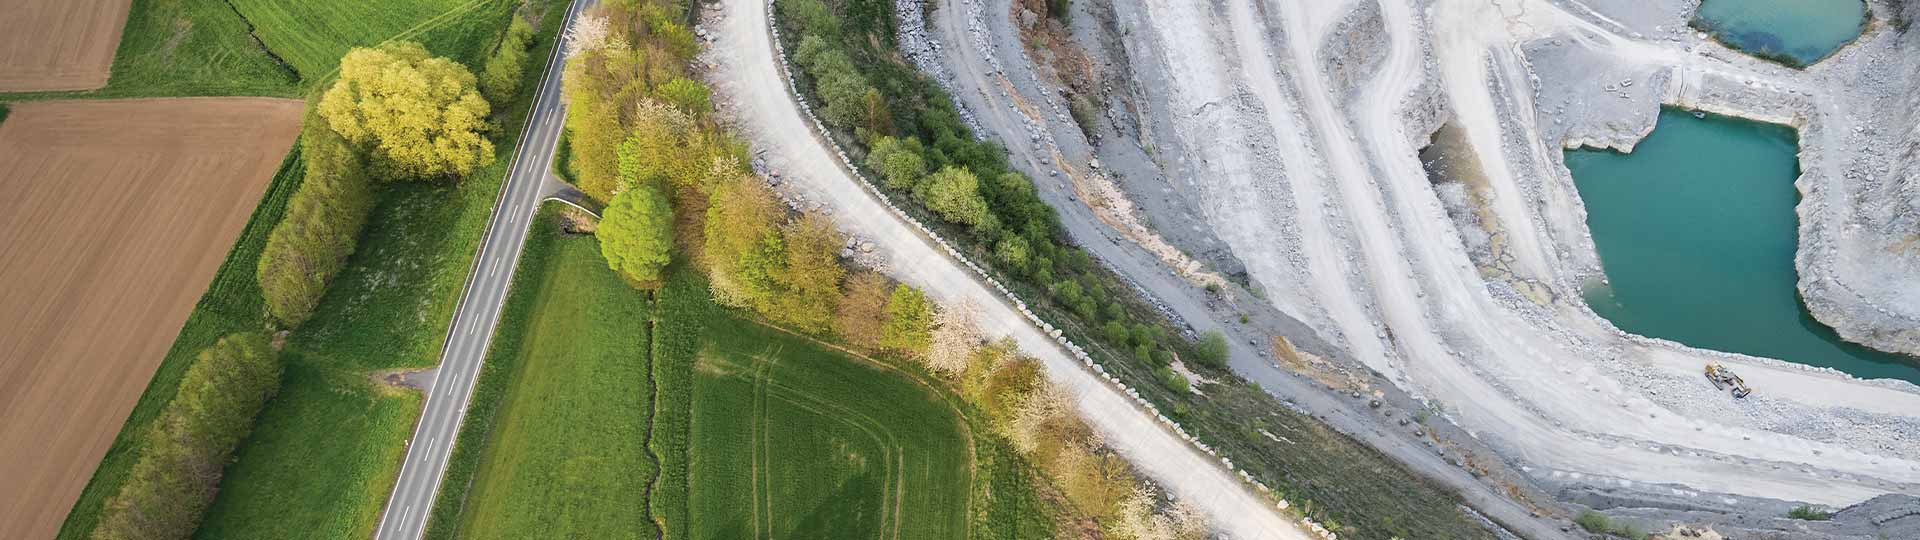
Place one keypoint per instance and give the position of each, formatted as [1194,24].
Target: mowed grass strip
[812,443]
[317,464]
[555,444]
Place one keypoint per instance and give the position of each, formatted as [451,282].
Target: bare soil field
[58,44]
[114,216]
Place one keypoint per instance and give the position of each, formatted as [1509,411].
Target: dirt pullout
[114,216]
[58,44]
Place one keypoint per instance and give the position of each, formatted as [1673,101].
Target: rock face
[1860,269]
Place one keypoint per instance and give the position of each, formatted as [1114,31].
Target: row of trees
[1039,419]
[500,78]
[322,225]
[961,181]
[395,113]
[185,451]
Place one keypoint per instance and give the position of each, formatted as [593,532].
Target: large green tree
[420,114]
[637,234]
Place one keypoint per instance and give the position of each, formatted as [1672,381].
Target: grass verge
[319,463]
[554,440]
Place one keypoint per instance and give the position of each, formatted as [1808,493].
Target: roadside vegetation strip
[1087,302]
[497,376]
[390,309]
[395,299]
[177,474]
[557,446]
[321,460]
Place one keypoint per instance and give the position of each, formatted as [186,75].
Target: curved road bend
[528,181]
[748,79]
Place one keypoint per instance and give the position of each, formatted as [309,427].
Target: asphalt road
[527,183]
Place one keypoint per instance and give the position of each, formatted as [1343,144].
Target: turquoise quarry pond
[1803,31]
[1696,231]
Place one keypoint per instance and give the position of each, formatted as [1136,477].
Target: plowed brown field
[114,216]
[58,44]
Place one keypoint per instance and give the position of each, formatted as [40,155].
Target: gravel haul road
[751,89]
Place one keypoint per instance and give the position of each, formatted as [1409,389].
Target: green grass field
[759,433]
[817,444]
[321,461]
[390,309]
[312,35]
[561,451]
[792,441]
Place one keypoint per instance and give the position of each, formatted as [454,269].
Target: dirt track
[58,44]
[114,216]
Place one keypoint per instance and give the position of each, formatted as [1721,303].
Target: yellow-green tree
[667,146]
[810,280]
[419,114]
[909,327]
[742,237]
[637,234]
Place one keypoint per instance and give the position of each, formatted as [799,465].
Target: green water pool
[1793,32]
[1696,232]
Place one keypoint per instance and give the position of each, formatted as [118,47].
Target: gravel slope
[1520,363]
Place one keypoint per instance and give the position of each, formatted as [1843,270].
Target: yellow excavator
[1724,378]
